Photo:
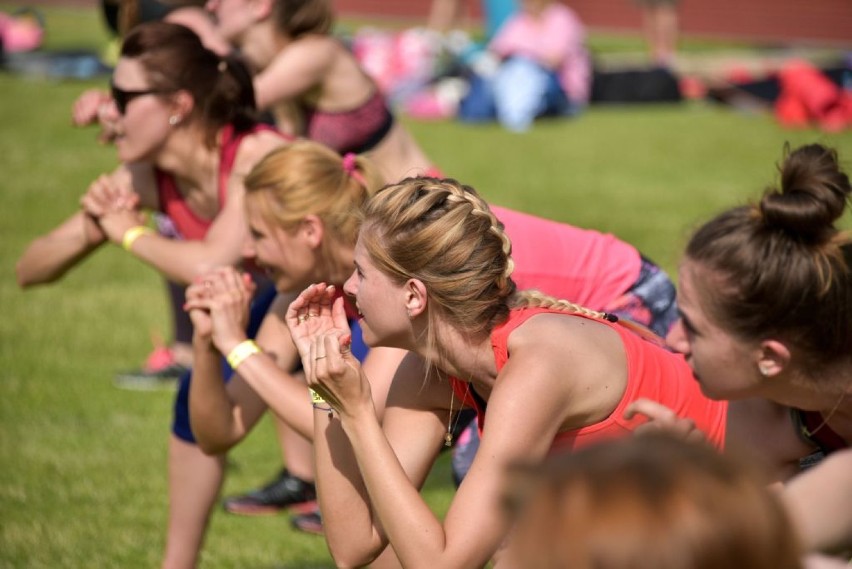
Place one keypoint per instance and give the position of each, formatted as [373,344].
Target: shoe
[309,522]
[161,371]
[284,492]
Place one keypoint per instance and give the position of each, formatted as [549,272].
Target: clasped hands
[113,206]
[218,304]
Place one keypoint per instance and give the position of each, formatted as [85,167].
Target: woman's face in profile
[725,366]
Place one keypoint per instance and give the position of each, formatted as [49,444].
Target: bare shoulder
[258,144]
[580,363]
[571,334]
[253,148]
[318,45]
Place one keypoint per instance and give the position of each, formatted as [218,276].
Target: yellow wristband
[132,234]
[316,397]
[240,352]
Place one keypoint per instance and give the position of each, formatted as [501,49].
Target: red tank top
[652,372]
[189,225]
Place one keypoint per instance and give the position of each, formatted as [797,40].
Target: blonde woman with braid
[432,276]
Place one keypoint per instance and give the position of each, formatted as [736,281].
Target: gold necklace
[826,418]
[448,438]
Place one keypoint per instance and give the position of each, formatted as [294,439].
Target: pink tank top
[586,267]
[652,372]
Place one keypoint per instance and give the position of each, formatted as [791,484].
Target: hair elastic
[350,166]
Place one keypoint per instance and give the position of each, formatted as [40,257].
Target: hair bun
[812,196]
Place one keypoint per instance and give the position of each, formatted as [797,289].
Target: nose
[350,287]
[676,339]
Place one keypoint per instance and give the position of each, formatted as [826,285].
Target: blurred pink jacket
[556,39]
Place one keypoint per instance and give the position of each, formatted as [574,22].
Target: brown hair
[295,18]
[781,267]
[308,178]
[174,59]
[649,502]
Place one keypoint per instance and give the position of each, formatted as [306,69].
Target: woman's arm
[297,69]
[47,258]
[222,415]
[532,398]
[182,261]
[410,443]
[50,256]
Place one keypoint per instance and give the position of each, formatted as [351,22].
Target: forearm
[282,392]
[211,411]
[417,535]
[49,257]
[182,261]
[350,531]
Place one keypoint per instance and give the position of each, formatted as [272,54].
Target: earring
[174,119]
[764,369]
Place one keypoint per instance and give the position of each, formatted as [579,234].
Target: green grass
[83,476]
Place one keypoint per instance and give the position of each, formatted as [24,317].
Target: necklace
[826,418]
[448,438]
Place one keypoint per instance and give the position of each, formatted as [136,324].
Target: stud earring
[174,119]
[764,369]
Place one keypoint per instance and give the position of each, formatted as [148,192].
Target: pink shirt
[583,266]
[557,35]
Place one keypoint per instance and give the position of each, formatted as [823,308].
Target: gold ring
[318,358]
[312,315]
[302,318]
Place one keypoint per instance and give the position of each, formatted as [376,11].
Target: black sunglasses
[122,98]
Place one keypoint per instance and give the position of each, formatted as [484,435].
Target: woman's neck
[190,160]
[468,358]
[804,392]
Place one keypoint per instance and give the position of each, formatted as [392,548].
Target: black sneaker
[308,522]
[284,492]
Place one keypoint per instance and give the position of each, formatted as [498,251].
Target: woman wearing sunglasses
[185,136]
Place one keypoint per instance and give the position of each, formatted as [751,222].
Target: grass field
[82,464]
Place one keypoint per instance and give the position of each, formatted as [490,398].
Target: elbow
[352,555]
[24,278]
[211,445]
[212,448]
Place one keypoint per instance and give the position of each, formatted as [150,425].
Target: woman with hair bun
[433,275]
[766,302]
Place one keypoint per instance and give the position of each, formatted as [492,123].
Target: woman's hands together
[218,305]
[114,206]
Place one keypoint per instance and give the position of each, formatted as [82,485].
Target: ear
[772,358]
[415,297]
[261,9]
[182,104]
[312,230]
